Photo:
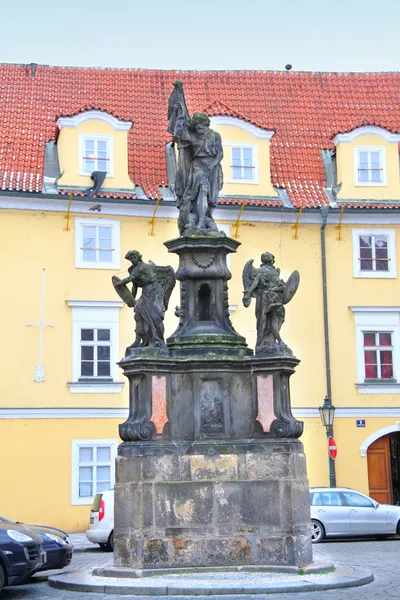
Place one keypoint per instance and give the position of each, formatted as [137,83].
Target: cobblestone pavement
[383,558]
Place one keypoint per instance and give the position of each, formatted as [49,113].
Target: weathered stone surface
[265,466]
[165,468]
[155,553]
[183,504]
[127,470]
[133,505]
[215,503]
[229,551]
[186,552]
[214,467]
[248,502]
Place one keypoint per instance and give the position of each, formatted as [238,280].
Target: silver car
[344,512]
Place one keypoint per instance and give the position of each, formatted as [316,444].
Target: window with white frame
[97,243]
[96,154]
[95,346]
[244,168]
[378,355]
[377,348]
[93,468]
[374,253]
[370,166]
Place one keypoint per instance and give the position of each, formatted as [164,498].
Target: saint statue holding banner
[199,173]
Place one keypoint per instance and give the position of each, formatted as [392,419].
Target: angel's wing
[166,278]
[249,275]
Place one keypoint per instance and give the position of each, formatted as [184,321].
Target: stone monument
[211,471]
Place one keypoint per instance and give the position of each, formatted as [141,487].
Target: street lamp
[327,414]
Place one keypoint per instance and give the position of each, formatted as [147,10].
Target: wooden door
[379,471]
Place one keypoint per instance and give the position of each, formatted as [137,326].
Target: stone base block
[210,504]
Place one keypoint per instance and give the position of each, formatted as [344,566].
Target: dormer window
[243,163]
[96,154]
[370,166]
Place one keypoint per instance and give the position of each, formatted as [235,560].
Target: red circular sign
[332,448]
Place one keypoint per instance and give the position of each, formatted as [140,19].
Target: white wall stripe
[122,413]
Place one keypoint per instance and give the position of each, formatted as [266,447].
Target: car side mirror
[376,504]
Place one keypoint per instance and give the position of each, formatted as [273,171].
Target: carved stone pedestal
[207,504]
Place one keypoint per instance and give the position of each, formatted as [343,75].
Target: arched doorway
[383,457]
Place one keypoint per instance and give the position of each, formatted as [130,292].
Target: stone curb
[81,581]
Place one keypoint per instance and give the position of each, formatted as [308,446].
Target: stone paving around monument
[382,557]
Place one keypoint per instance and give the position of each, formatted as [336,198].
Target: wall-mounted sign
[360,422]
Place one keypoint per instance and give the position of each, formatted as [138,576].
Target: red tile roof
[305,110]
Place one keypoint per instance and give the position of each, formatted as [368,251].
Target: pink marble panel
[159,400]
[265,395]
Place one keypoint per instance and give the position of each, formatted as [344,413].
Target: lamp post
[327,414]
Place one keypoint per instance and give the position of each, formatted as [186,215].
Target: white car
[101,522]
[342,512]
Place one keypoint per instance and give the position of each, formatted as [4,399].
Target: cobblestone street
[382,557]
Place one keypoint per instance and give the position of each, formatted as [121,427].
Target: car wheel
[317,531]
[398,528]
[103,546]
[110,544]
[2,576]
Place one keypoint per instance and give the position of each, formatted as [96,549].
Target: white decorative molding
[122,413]
[94,303]
[376,435]
[93,115]
[257,132]
[89,387]
[366,130]
[64,413]
[375,309]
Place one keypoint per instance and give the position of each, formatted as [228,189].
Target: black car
[55,543]
[21,554]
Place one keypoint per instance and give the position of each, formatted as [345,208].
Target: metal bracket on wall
[296,225]
[339,225]
[153,218]
[236,234]
[68,216]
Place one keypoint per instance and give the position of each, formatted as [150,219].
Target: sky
[311,35]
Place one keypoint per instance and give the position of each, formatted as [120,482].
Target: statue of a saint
[271,294]
[157,284]
[199,173]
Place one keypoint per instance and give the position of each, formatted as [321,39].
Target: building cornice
[366,130]
[93,115]
[257,132]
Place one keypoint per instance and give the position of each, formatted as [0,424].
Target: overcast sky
[312,35]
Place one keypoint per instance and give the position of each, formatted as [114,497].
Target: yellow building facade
[62,394]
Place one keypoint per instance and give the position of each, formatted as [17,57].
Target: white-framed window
[243,163]
[378,355]
[97,243]
[370,166]
[374,253]
[95,347]
[96,153]
[377,349]
[93,469]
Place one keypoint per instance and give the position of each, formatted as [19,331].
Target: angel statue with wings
[157,284]
[271,294]
[198,178]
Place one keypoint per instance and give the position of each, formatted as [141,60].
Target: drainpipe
[328,400]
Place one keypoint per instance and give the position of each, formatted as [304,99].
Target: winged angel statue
[157,284]
[271,294]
